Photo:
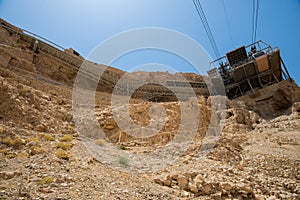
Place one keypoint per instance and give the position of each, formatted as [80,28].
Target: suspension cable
[253,19]
[256,19]
[255,9]
[227,22]
[206,27]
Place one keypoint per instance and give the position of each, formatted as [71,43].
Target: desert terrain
[44,156]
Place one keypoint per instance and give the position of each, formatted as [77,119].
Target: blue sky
[84,24]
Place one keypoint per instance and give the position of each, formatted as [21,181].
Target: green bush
[123,160]
[122,147]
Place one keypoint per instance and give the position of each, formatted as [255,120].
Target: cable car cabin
[247,69]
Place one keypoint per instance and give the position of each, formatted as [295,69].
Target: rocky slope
[42,155]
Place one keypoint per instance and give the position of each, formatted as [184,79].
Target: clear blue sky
[82,24]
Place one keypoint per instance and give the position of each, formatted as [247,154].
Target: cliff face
[43,156]
[20,50]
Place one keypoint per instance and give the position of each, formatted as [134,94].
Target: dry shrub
[10,142]
[62,154]
[64,145]
[46,180]
[37,150]
[66,138]
[47,137]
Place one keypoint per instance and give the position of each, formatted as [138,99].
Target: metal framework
[248,68]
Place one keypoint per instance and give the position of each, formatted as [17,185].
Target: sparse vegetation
[71,128]
[37,150]
[4,151]
[62,154]
[17,142]
[122,147]
[66,138]
[47,137]
[64,145]
[10,142]
[7,153]
[10,155]
[46,180]
[23,155]
[32,139]
[123,160]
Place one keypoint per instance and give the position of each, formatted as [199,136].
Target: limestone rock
[183,182]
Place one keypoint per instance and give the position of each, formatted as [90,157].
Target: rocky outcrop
[274,100]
